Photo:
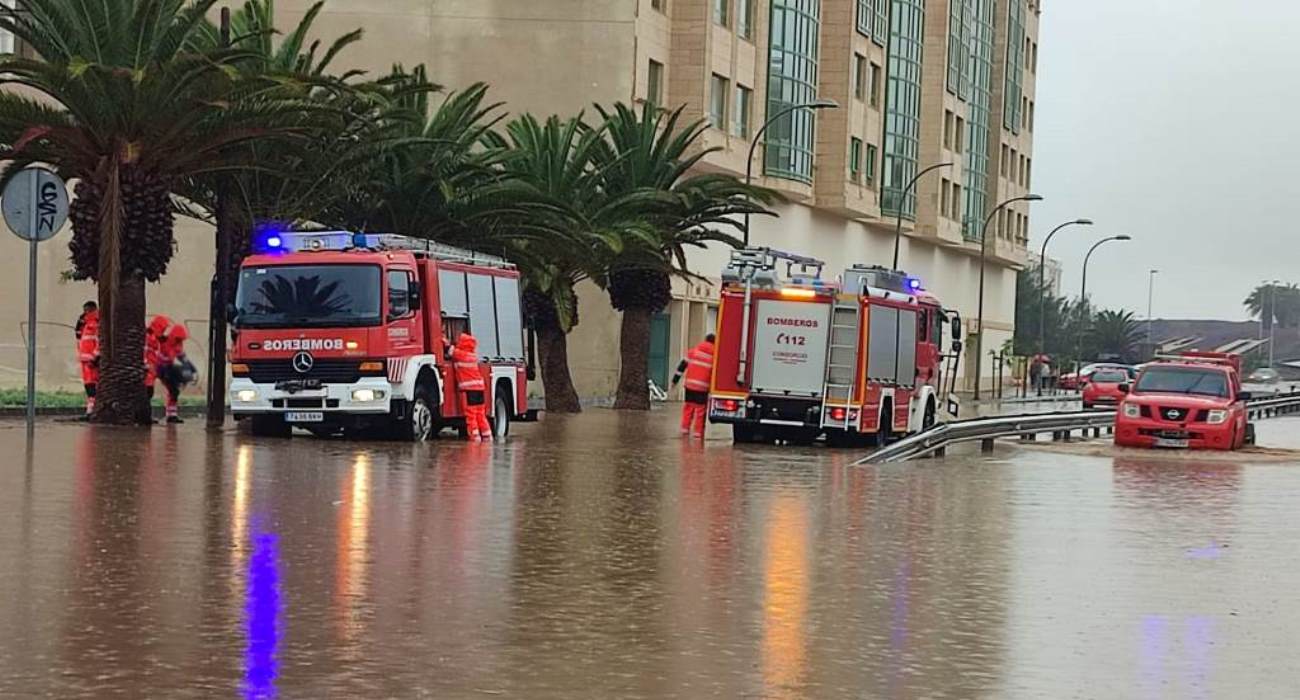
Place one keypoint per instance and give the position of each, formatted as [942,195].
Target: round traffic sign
[35,204]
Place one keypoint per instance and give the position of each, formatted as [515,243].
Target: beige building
[917,83]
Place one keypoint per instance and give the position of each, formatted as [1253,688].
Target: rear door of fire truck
[790,337]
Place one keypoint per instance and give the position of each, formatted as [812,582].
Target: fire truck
[337,331]
[858,360]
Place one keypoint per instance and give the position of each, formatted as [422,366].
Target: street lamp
[898,227]
[1042,288]
[984,249]
[1083,293]
[1151,290]
[758,136]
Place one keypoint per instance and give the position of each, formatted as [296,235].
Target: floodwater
[600,556]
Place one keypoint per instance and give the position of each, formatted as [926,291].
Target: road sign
[35,205]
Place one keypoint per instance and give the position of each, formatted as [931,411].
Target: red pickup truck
[1194,401]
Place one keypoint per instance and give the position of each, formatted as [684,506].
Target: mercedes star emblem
[303,362]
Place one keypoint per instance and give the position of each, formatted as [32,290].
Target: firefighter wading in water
[88,351]
[698,367]
[471,387]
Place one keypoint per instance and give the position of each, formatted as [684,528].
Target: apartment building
[917,83]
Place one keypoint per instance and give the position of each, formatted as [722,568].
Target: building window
[955,215]
[741,111]
[855,159]
[792,80]
[865,17]
[1014,63]
[654,83]
[880,27]
[875,85]
[745,18]
[872,155]
[1033,64]
[947,129]
[945,198]
[1011,163]
[722,12]
[1031,116]
[1024,113]
[1029,166]
[980,16]
[658,4]
[960,137]
[718,92]
[1006,155]
[903,107]
[1023,160]
[859,76]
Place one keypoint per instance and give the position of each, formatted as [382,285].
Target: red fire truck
[858,360]
[338,331]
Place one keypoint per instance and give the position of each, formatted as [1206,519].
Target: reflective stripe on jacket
[699,367]
[468,375]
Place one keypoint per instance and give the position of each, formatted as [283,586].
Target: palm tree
[1261,304]
[1115,333]
[123,106]
[646,163]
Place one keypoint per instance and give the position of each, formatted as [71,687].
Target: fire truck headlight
[367,395]
[246,396]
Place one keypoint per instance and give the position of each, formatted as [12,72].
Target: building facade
[917,83]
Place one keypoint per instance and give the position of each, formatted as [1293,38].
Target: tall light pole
[758,136]
[1042,288]
[1151,291]
[984,250]
[898,226]
[1083,294]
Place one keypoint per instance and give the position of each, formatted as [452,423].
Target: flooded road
[601,557]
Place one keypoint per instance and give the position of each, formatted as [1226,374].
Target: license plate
[1172,442]
[305,417]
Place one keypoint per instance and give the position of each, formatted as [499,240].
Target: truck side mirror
[415,295]
[1125,388]
[956,328]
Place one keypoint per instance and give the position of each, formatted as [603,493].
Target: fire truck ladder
[842,363]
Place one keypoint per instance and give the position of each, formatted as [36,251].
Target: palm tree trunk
[634,353]
[121,398]
[553,351]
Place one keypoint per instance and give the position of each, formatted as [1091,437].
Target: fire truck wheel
[886,430]
[930,413]
[421,418]
[501,417]
[270,426]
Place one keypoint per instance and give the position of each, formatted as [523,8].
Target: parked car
[1105,387]
[1264,375]
[1192,402]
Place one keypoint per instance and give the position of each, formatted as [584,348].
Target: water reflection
[785,597]
[352,557]
[262,612]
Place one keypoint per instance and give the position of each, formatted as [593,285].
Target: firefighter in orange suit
[471,387]
[698,368]
[88,351]
[153,339]
[174,368]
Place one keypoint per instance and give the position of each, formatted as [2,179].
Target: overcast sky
[1177,122]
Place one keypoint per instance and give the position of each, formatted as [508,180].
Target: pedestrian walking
[470,386]
[87,333]
[697,367]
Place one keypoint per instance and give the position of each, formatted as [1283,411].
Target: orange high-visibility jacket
[465,360]
[699,367]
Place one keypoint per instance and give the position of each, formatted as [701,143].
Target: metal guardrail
[938,439]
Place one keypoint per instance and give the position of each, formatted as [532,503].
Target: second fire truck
[860,359]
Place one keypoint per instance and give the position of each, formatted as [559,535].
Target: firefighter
[174,369]
[698,368]
[471,387]
[87,333]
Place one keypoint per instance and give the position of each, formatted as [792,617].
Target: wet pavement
[601,557]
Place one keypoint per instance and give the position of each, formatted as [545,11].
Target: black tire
[1250,434]
[885,432]
[421,420]
[930,418]
[502,413]
[270,426]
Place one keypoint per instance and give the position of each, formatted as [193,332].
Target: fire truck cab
[338,331]
[858,360]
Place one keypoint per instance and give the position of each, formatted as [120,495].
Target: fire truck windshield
[308,296]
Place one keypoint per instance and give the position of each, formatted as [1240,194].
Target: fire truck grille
[327,371]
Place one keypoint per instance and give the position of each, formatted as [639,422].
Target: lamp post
[1042,288]
[898,226]
[1083,293]
[1151,290]
[984,249]
[758,136]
